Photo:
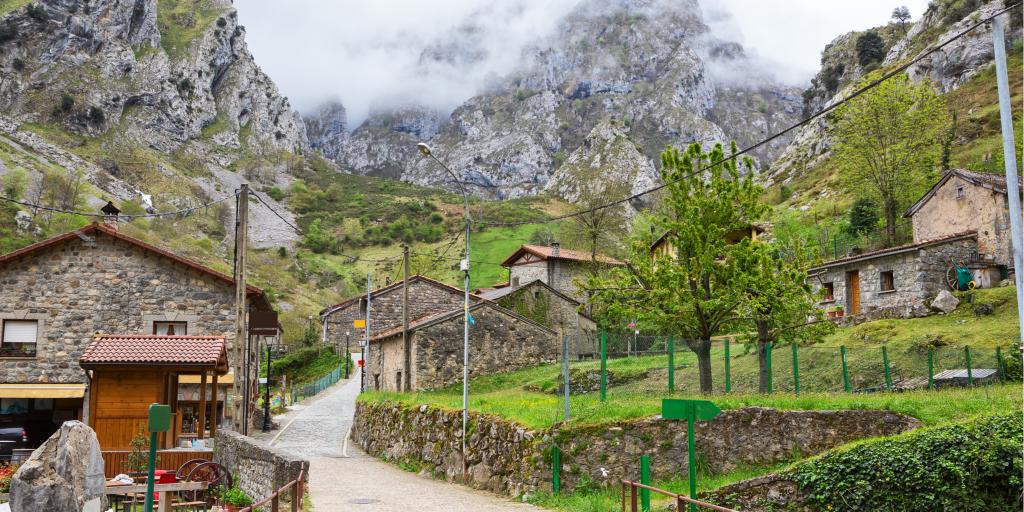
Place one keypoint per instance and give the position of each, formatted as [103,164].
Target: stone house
[500,340]
[545,305]
[554,266]
[663,245]
[967,201]
[426,297]
[57,294]
[893,282]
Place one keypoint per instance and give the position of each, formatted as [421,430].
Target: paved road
[343,478]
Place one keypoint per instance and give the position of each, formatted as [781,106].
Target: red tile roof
[143,349]
[545,252]
[107,230]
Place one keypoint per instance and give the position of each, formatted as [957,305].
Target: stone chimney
[110,213]
[556,249]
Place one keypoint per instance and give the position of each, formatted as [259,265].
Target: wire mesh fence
[299,393]
[621,366]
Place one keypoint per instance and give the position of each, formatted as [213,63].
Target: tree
[887,143]
[777,298]
[863,216]
[870,48]
[598,229]
[692,294]
[15,183]
[318,239]
[901,15]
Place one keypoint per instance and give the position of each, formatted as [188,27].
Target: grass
[7,6]
[182,22]
[489,248]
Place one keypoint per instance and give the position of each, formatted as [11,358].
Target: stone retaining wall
[507,458]
[257,468]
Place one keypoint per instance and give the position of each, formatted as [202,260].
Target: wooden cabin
[128,372]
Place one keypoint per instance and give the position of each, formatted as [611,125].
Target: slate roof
[395,286]
[892,250]
[151,350]
[995,182]
[545,252]
[435,318]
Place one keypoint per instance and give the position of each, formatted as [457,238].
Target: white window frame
[35,342]
[156,324]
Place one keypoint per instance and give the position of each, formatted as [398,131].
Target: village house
[62,294]
[554,266]
[545,305]
[962,221]
[499,340]
[663,246]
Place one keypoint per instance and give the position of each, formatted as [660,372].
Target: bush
[8,31]
[969,466]
[37,13]
[293,361]
[96,115]
[318,239]
[18,64]
[275,193]
[67,102]
[870,48]
[863,217]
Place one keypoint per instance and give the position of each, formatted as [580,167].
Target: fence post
[728,376]
[931,368]
[604,365]
[768,360]
[565,371]
[556,469]
[796,370]
[671,365]
[967,358]
[645,478]
[885,363]
[1000,366]
[846,371]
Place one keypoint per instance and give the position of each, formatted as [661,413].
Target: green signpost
[691,411]
[159,421]
[671,365]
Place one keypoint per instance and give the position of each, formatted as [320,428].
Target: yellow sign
[359,324]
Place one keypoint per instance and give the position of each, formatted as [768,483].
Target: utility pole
[1010,162]
[366,332]
[239,388]
[406,340]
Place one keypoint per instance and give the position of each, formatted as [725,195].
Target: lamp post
[464,266]
[348,358]
[267,424]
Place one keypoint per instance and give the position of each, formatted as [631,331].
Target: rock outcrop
[65,474]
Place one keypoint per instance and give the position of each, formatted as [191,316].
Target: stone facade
[918,274]
[543,304]
[507,458]
[500,341]
[258,469]
[553,266]
[965,201]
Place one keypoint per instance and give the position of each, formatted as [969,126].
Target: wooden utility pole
[239,394]
[406,340]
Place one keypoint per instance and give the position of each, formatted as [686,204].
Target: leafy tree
[777,298]
[15,183]
[901,15]
[887,143]
[318,239]
[870,48]
[693,294]
[863,216]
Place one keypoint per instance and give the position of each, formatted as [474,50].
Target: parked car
[12,435]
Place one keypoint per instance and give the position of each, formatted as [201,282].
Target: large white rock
[65,474]
[945,302]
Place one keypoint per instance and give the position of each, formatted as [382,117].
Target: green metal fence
[311,389]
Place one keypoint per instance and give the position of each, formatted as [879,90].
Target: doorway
[853,291]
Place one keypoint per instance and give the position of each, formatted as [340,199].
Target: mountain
[653,66]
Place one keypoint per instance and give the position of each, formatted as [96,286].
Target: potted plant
[234,499]
[839,311]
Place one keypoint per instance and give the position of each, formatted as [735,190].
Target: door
[853,284]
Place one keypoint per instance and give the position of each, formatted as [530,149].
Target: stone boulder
[945,302]
[65,474]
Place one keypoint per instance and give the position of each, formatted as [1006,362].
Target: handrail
[680,499]
[275,498]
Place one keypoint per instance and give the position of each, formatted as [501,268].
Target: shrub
[293,361]
[275,193]
[96,115]
[863,217]
[66,103]
[18,64]
[234,497]
[37,13]
[185,86]
[870,48]
[8,31]
[969,466]
[221,22]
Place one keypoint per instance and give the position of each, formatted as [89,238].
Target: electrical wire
[776,135]
[179,213]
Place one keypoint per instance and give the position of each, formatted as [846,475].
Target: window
[828,291]
[888,281]
[960,191]
[19,338]
[170,328]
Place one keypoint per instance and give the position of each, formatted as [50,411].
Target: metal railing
[317,386]
[634,505]
[296,486]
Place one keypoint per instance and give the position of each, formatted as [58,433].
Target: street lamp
[267,424]
[348,358]
[464,266]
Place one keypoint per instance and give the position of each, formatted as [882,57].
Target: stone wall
[918,275]
[536,302]
[258,469]
[978,209]
[79,288]
[507,458]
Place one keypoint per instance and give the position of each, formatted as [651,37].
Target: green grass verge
[182,22]
[7,6]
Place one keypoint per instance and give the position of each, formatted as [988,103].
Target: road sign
[691,411]
[359,324]
[159,418]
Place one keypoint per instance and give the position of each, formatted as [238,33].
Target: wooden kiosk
[128,372]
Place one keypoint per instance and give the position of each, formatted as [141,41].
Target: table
[113,488]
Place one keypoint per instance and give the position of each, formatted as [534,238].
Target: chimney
[556,249]
[110,213]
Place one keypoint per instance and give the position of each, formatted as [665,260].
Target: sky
[367,54]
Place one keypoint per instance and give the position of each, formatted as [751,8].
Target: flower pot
[831,314]
[839,314]
[232,508]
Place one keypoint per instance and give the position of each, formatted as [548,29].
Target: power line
[776,135]
[275,212]
[180,213]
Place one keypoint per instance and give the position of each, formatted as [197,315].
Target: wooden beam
[202,405]
[213,421]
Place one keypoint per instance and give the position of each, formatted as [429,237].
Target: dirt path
[344,478]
